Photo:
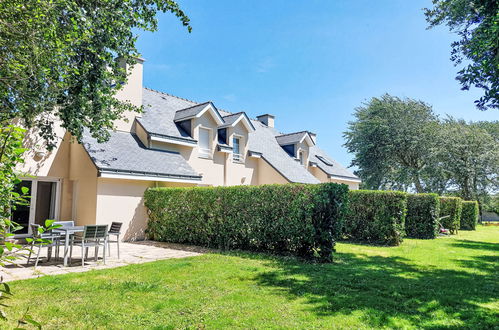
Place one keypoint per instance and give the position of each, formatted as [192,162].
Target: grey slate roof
[125,154]
[159,113]
[229,119]
[263,140]
[292,138]
[190,112]
[329,165]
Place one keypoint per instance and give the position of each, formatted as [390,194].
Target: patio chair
[93,236]
[115,230]
[48,235]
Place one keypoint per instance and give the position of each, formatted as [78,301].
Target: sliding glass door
[42,205]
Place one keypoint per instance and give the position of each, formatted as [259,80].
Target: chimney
[313,136]
[131,92]
[267,119]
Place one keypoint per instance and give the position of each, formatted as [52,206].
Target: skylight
[324,160]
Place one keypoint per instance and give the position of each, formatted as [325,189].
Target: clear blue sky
[310,63]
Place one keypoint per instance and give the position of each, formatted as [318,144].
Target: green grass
[443,283]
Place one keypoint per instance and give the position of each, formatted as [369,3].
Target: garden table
[68,231]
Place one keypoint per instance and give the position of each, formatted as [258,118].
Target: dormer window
[301,156]
[204,143]
[236,149]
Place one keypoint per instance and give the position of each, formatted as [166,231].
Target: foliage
[491,204]
[417,285]
[376,216]
[423,211]
[470,156]
[297,219]
[392,140]
[469,215]
[58,60]
[450,213]
[11,151]
[476,22]
[400,144]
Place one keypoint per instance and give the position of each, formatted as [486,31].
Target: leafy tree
[477,24]
[470,155]
[58,60]
[393,141]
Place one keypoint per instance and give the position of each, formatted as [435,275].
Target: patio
[130,253]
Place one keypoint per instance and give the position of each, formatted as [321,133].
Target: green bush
[296,219]
[450,213]
[422,215]
[469,215]
[376,216]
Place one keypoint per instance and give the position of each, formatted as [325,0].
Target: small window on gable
[222,135]
[204,142]
[185,128]
[236,149]
[302,158]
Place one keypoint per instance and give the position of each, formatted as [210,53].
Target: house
[174,142]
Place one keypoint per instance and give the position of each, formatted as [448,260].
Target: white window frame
[33,193]
[205,153]
[238,158]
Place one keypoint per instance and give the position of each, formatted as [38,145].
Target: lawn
[443,283]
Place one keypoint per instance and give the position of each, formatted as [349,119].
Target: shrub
[450,213]
[296,219]
[469,215]
[376,216]
[422,215]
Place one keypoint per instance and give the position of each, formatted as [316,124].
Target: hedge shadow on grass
[477,245]
[388,291]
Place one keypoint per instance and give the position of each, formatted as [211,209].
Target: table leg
[66,248]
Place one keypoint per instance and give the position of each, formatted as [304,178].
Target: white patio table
[68,231]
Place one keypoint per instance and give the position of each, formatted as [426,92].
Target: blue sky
[310,63]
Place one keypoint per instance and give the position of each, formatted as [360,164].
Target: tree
[393,141]
[58,60]
[470,155]
[477,24]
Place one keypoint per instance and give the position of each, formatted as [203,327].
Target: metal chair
[115,230]
[54,239]
[93,236]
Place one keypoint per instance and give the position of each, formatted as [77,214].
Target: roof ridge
[233,114]
[196,105]
[293,133]
[177,97]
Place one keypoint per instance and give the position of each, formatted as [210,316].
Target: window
[204,142]
[302,158]
[236,149]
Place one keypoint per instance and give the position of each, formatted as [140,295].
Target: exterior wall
[40,163]
[131,92]
[123,201]
[268,175]
[83,175]
[322,176]
[240,173]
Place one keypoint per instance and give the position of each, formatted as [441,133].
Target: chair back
[34,230]
[65,224]
[94,232]
[115,227]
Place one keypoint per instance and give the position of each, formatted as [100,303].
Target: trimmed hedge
[469,215]
[422,215]
[376,216]
[291,218]
[451,208]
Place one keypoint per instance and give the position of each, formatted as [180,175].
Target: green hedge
[450,209]
[469,215]
[376,216]
[422,215]
[296,219]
